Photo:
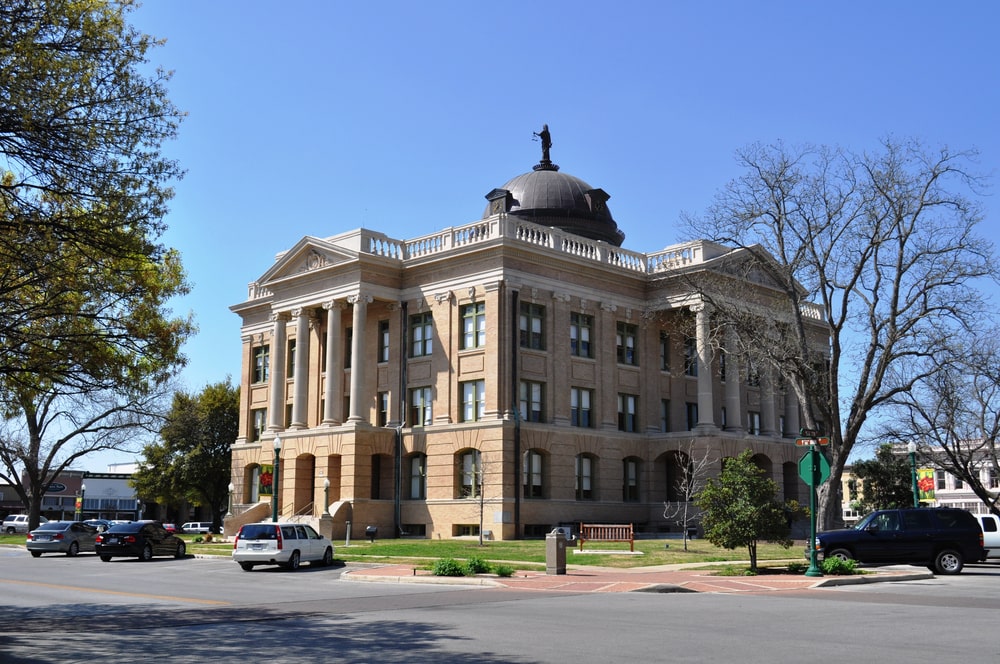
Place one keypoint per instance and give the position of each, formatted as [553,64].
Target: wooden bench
[603,532]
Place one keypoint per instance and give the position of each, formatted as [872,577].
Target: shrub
[477,565]
[797,568]
[504,570]
[197,540]
[448,567]
[836,566]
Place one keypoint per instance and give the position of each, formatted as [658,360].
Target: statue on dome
[546,141]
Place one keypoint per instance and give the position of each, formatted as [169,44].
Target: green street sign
[814,476]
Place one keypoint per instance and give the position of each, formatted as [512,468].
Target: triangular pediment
[307,255]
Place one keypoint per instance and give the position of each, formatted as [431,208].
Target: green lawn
[522,554]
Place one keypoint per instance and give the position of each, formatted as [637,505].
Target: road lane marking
[122,593]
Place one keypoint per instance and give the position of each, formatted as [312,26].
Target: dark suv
[941,538]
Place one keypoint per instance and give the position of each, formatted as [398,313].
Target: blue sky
[317,117]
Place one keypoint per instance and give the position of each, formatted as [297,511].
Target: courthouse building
[508,375]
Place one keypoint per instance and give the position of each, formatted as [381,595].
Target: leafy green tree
[191,463]
[739,508]
[87,342]
[886,481]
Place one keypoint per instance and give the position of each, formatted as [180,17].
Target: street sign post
[814,469]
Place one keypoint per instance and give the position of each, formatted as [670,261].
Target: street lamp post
[326,497]
[229,509]
[911,447]
[138,509]
[275,479]
[79,505]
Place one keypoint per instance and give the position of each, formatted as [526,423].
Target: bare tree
[884,243]
[953,414]
[694,471]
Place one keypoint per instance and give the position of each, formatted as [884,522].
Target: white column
[360,302]
[279,341]
[734,403]
[300,396]
[334,393]
[706,406]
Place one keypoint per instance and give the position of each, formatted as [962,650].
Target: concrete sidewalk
[664,579]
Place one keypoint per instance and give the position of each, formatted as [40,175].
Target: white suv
[199,527]
[18,523]
[284,544]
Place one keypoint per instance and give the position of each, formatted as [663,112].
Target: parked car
[18,523]
[199,527]
[69,537]
[170,527]
[283,544]
[941,538]
[141,539]
[991,534]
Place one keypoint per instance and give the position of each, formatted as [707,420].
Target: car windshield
[863,523]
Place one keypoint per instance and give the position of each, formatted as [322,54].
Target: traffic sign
[809,433]
[814,475]
[812,441]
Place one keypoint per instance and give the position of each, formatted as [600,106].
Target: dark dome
[550,198]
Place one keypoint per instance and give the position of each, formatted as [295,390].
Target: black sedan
[138,539]
[69,537]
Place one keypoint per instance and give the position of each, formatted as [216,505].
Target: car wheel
[247,567]
[840,554]
[147,553]
[181,550]
[293,561]
[327,557]
[11,530]
[948,562]
[36,554]
[74,548]
[106,559]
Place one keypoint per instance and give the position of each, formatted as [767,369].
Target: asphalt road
[58,609]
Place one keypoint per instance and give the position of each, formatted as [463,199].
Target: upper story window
[532,401]
[348,346]
[474,325]
[532,326]
[261,364]
[421,334]
[625,339]
[383,341]
[664,351]
[580,411]
[627,413]
[580,326]
[690,356]
[290,369]
[473,400]
[421,407]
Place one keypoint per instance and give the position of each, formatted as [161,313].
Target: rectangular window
[991,479]
[290,369]
[532,400]
[258,422]
[722,366]
[579,405]
[664,351]
[584,478]
[348,346]
[532,473]
[625,337]
[940,479]
[664,415]
[421,413]
[690,356]
[474,325]
[753,423]
[418,477]
[532,326]
[471,480]
[630,490]
[421,334]
[580,326]
[383,341]
[753,375]
[626,413]
[959,483]
[383,408]
[473,400]
[692,415]
[261,364]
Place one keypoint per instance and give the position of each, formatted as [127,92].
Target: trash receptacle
[555,552]
[371,532]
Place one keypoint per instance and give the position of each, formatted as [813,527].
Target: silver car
[283,544]
[69,537]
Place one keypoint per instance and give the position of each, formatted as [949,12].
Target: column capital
[280,316]
[360,298]
[334,304]
[441,298]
